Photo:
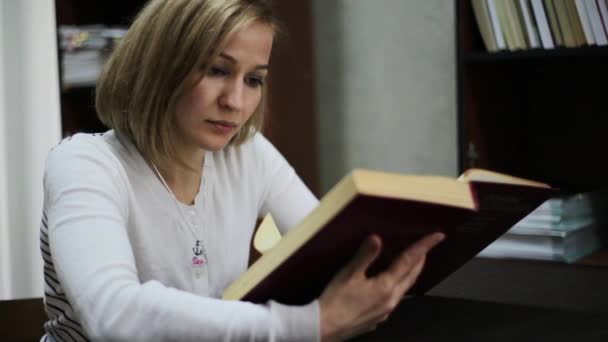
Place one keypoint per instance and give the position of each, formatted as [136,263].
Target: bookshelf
[538,114]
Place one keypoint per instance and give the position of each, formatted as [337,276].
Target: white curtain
[30,124]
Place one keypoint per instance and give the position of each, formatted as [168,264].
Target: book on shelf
[583,14]
[530,24]
[563,19]
[556,30]
[472,211]
[595,20]
[564,228]
[602,7]
[554,245]
[496,27]
[576,23]
[542,23]
[482,16]
[508,15]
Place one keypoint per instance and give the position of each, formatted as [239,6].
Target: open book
[472,211]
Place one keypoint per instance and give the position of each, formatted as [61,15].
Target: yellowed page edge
[329,207]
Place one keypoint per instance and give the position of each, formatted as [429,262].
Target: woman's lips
[222,127]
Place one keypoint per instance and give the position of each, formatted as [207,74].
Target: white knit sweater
[119,254]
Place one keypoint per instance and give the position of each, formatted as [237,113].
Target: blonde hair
[148,71]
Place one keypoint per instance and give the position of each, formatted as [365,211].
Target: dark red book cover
[304,275]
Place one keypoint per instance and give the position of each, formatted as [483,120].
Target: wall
[386,86]
[29,126]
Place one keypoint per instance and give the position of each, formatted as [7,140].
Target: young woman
[146,224]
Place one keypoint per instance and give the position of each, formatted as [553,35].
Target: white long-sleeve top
[118,251]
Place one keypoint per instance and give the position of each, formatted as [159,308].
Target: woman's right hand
[353,303]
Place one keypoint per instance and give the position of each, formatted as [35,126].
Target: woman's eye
[254,82]
[217,71]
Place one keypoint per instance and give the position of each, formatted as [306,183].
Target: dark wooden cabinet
[540,114]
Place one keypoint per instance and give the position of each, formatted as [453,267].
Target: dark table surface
[431,318]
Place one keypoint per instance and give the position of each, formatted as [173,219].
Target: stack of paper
[564,228]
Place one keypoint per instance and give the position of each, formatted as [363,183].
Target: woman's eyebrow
[234,61]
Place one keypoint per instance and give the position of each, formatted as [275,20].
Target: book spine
[542,24]
[496,26]
[581,8]
[517,21]
[596,22]
[484,25]
[564,23]
[575,22]
[531,27]
[558,36]
[603,9]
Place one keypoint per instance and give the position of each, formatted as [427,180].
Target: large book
[472,211]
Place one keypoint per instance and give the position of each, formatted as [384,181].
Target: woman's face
[212,112]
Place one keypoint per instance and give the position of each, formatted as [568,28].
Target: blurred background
[354,84]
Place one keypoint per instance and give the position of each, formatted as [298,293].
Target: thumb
[366,254]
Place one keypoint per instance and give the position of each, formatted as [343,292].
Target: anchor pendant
[197,249]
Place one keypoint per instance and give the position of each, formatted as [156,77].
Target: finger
[411,255]
[366,254]
[428,242]
[409,279]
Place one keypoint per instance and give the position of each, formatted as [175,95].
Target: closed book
[542,23]
[556,31]
[595,21]
[561,246]
[472,211]
[530,224]
[576,23]
[603,8]
[506,25]
[530,24]
[499,35]
[583,15]
[514,16]
[566,28]
[516,11]
[482,16]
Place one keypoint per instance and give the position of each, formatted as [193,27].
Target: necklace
[199,257]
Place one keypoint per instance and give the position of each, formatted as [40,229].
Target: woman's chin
[214,145]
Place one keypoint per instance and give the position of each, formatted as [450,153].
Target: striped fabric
[61,326]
